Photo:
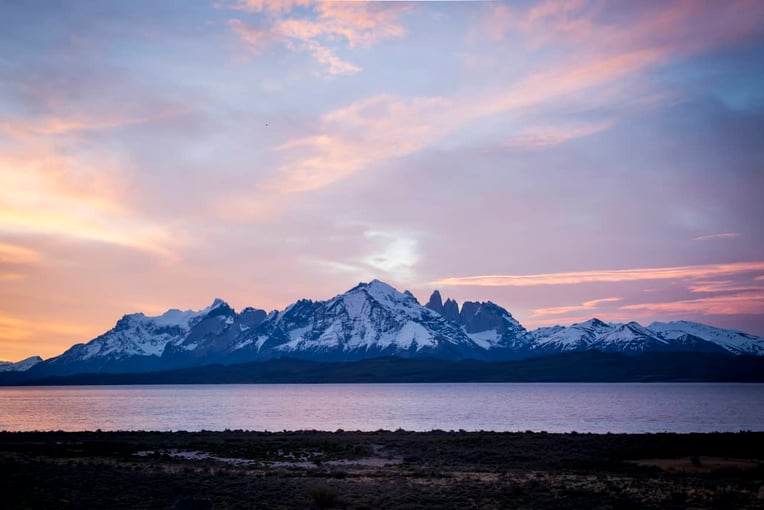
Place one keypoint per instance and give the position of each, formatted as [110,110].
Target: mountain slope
[19,366]
[136,343]
[733,341]
[630,338]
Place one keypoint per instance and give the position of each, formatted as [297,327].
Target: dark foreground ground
[400,470]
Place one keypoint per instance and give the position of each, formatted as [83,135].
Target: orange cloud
[42,192]
[615,275]
[14,254]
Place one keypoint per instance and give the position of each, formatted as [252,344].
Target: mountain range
[371,320]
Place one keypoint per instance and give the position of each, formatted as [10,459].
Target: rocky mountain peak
[435,303]
[451,310]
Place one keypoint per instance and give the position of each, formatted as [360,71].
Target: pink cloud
[377,129]
[266,5]
[255,38]
[587,305]
[15,254]
[719,237]
[25,129]
[671,28]
[616,275]
[549,136]
[358,24]
[713,286]
[360,135]
[383,127]
[734,304]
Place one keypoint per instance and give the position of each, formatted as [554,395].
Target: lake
[551,407]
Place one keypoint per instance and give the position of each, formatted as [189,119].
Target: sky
[565,159]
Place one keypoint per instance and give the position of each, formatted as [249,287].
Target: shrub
[324,497]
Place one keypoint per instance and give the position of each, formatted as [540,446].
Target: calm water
[554,407]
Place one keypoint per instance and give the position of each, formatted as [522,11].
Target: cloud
[714,286]
[14,254]
[588,305]
[52,125]
[356,24]
[719,237]
[376,129]
[72,197]
[549,136]
[360,135]
[7,276]
[391,252]
[394,253]
[15,261]
[615,275]
[266,5]
[731,304]
[671,28]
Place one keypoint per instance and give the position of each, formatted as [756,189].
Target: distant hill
[586,366]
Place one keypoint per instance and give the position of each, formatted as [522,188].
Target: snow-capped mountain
[140,343]
[732,341]
[370,320]
[19,366]
[612,337]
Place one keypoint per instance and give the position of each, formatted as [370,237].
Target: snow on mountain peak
[594,322]
[733,341]
[382,293]
[385,294]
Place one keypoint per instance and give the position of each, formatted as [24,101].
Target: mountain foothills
[371,320]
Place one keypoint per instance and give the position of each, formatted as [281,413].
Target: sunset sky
[564,159]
